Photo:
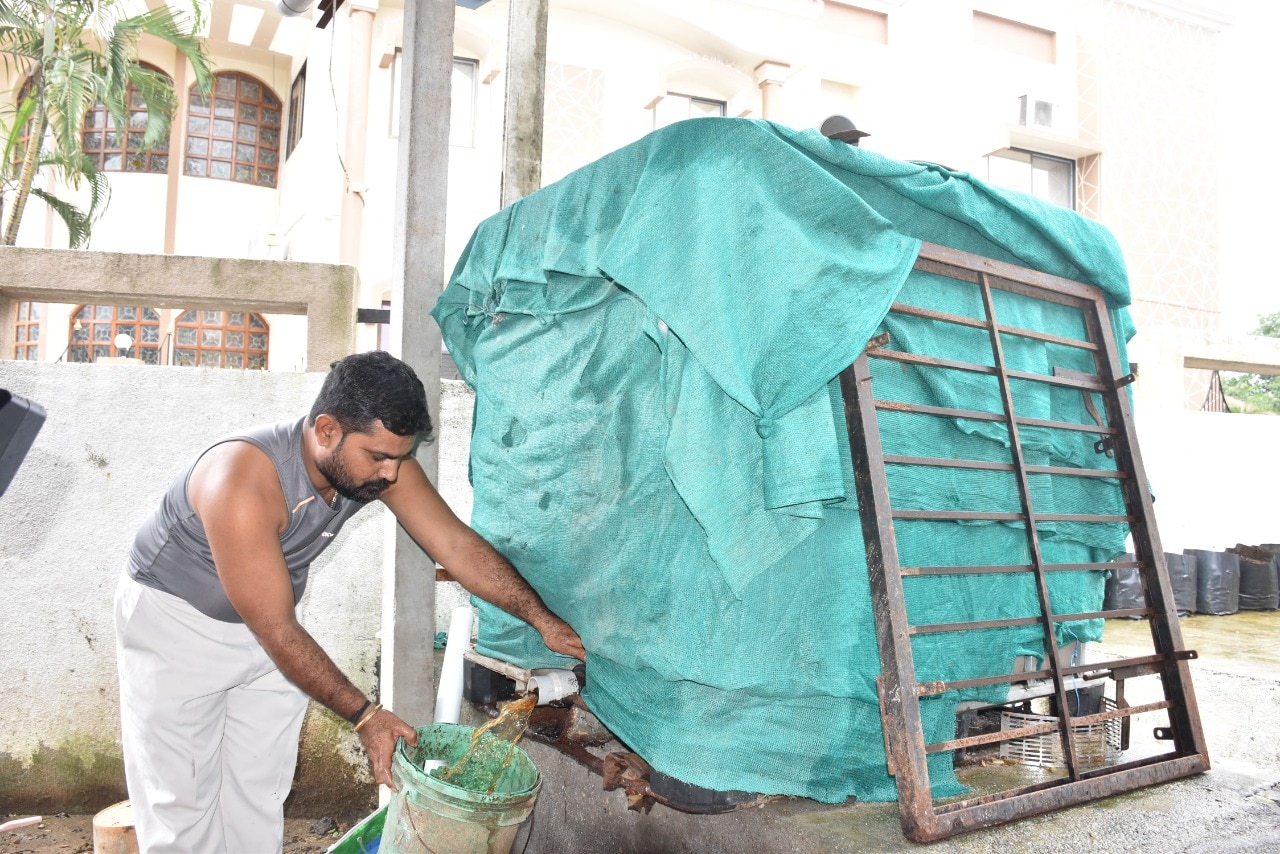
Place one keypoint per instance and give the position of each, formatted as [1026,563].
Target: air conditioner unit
[1035,112]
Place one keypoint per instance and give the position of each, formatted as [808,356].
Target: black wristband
[355,718]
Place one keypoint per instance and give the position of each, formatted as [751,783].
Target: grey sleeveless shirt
[171,552]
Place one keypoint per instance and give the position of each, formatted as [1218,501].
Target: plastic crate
[1097,744]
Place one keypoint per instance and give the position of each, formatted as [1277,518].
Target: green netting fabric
[659,444]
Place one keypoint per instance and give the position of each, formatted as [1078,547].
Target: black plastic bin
[1217,581]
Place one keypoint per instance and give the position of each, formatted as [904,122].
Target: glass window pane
[223,148]
[257,362]
[196,167]
[135,141]
[188,316]
[21,334]
[211,338]
[209,317]
[257,341]
[130,329]
[224,128]
[218,169]
[270,99]
[246,153]
[271,118]
[186,358]
[197,145]
[197,125]
[35,310]
[249,89]
[269,138]
[138,120]
[102,353]
[235,340]
[244,173]
[248,133]
[135,97]
[78,354]
[150,356]
[256,322]
[93,140]
[248,113]
[103,312]
[95,119]
[226,85]
[266,177]
[23,308]
[150,314]
[233,360]
[267,157]
[235,318]
[186,335]
[210,358]
[224,109]
[101,332]
[159,163]
[33,332]
[127,312]
[199,105]
[113,163]
[150,334]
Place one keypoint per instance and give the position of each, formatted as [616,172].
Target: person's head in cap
[841,128]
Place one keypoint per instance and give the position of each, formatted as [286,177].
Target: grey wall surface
[114,438]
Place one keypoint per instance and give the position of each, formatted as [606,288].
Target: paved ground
[1235,807]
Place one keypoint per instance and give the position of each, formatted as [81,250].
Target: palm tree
[74,54]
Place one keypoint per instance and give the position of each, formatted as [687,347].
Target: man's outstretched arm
[471,560]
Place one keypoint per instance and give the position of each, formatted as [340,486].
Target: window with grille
[235,134]
[221,339]
[94,329]
[26,338]
[114,151]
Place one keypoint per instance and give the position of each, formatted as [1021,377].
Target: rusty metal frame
[923,820]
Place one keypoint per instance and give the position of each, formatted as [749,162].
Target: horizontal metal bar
[988,810]
[1067,425]
[1000,516]
[1040,729]
[1045,285]
[977,323]
[1096,670]
[978,625]
[986,465]
[929,361]
[998,569]
[923,409]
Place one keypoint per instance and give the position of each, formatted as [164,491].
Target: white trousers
[210,728]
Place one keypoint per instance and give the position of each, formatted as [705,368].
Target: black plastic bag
[1259,584]
[1217,581]
[1182,578]
[1124,589]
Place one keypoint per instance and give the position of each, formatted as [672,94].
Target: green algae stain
[83,773]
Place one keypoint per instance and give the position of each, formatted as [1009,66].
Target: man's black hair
[366,388]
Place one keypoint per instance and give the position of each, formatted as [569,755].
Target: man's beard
[335,471]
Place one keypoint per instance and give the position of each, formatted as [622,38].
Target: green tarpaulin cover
[659,443]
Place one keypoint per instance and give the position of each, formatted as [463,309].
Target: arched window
[221,339]
[26,337]
[107,146]
[237,136]
[94,329]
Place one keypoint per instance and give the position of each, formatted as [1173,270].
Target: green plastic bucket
[428,815]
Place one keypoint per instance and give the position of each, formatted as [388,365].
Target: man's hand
[379,735]
[560,637]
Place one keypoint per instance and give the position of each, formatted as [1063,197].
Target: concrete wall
[114,438]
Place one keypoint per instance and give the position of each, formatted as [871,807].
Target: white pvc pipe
[449,694]
[553,685]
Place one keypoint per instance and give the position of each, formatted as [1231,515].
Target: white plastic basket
[1097,744]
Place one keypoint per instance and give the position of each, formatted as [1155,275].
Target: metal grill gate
[924,819]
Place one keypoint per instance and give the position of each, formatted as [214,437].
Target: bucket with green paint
[429,815]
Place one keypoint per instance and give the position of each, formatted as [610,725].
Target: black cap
[841,128]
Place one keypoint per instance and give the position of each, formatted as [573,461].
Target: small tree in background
[1258,391]
[67,56]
